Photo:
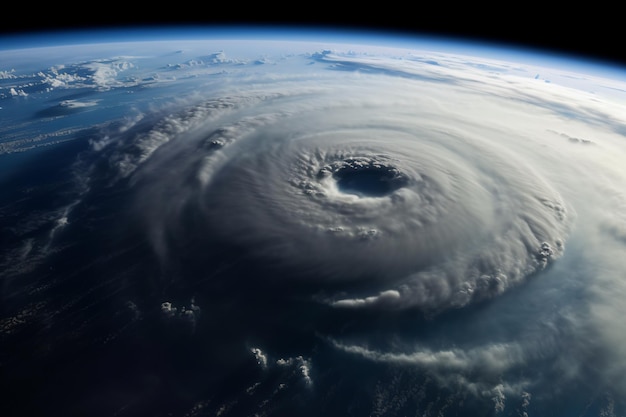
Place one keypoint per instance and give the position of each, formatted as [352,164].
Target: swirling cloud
[369,189]
[385,187]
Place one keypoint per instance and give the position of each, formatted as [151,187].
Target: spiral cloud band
[430,213]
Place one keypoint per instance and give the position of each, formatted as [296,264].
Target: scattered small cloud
[17,92]
[184,315]
[7,75]
[301,364]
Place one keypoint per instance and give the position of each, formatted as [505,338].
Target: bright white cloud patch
[260,357]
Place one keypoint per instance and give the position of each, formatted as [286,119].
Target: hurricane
[384,233]
[374,192]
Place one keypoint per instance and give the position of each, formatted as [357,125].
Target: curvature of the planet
[297,227]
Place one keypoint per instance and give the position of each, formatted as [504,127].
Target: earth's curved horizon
[275,224]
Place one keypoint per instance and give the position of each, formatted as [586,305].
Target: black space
[594,31]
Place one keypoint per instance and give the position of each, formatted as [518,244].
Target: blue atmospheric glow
[491,48]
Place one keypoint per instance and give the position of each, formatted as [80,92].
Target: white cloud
[301,364]
[76,104]
[62,77]
[7,75]
[17,93]
[385,297]
[104,75]
[220,58]
[261,358]
[187,315]
[168,309]
[491,361]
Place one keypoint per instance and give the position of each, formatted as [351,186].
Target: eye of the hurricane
[365,178]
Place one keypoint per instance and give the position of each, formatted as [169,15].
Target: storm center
[368,181]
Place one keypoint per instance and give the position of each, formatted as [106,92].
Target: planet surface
[288,225]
